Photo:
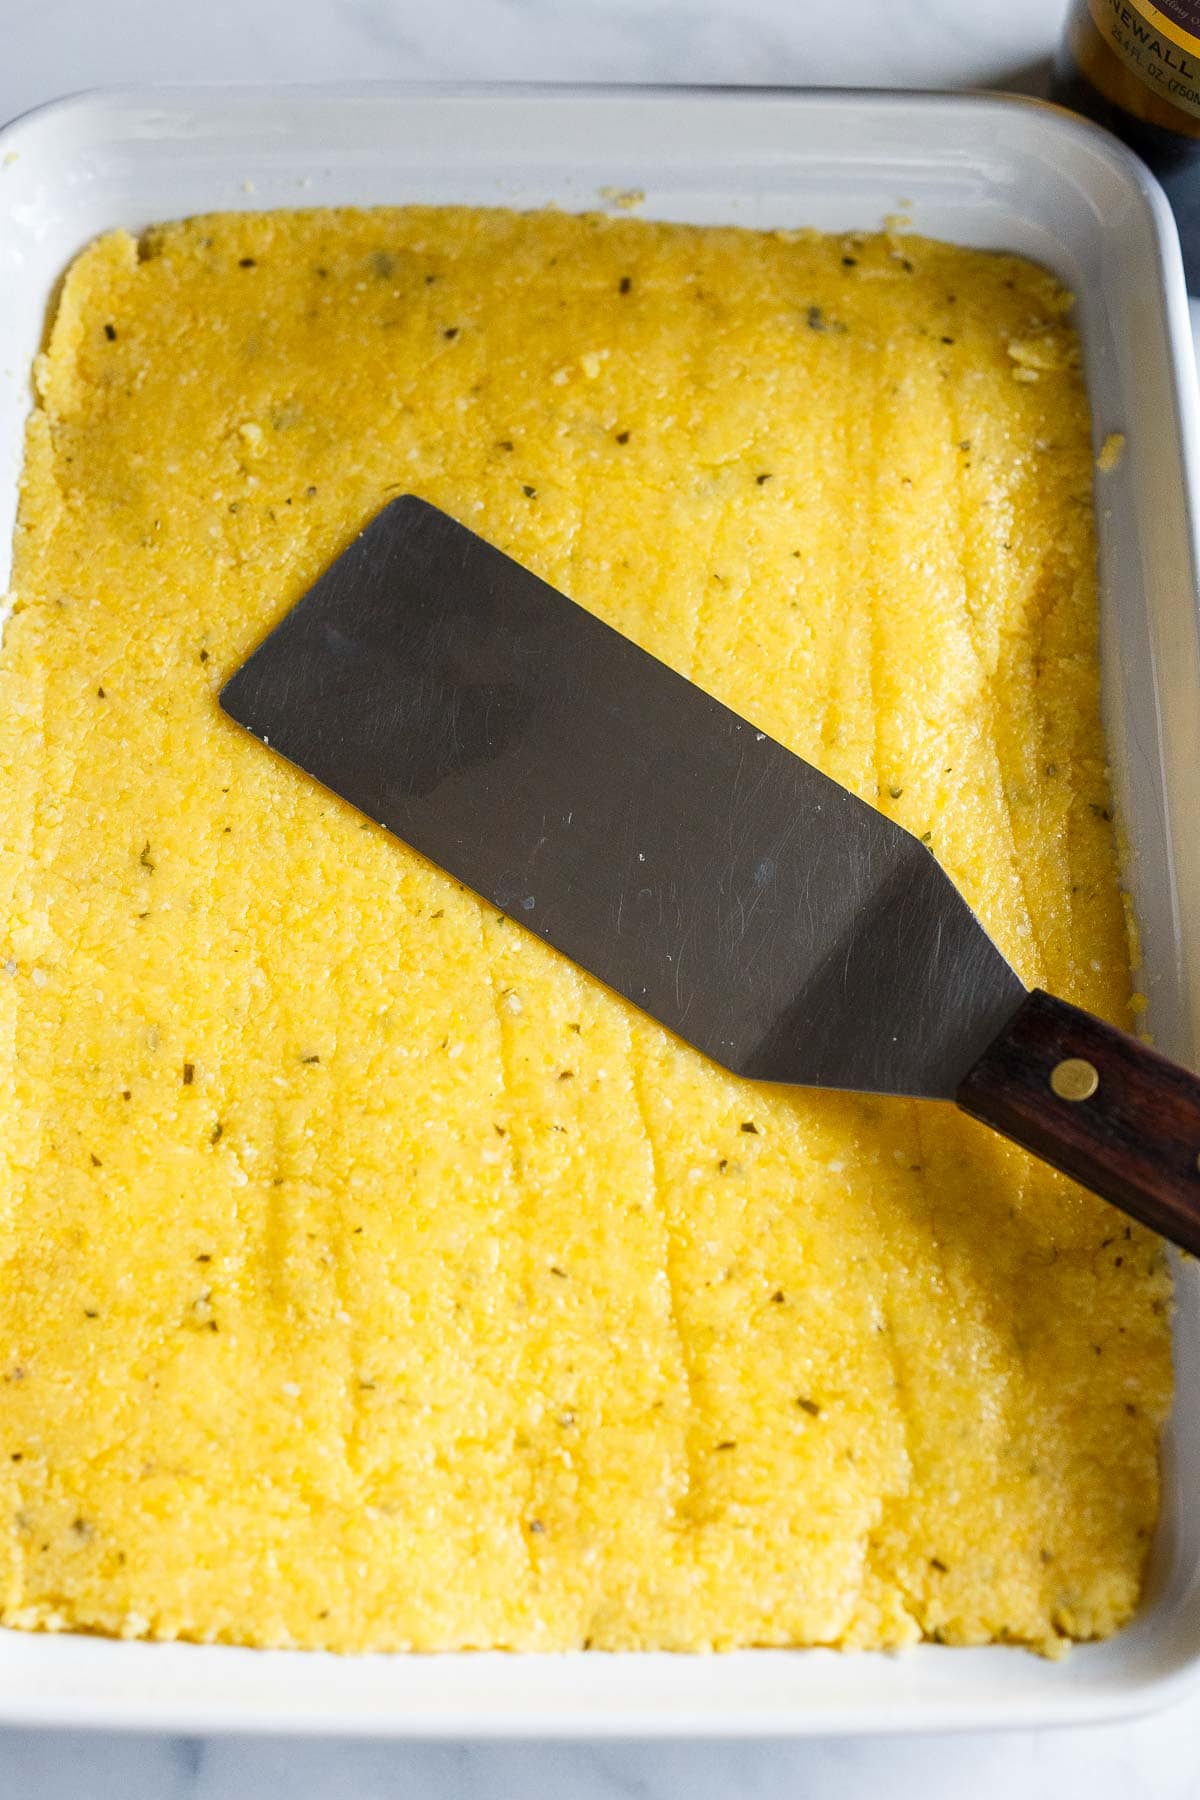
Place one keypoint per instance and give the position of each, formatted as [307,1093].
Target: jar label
[1159,42]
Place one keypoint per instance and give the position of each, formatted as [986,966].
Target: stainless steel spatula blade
[752,905]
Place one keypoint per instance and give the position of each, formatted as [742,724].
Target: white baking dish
[978,170]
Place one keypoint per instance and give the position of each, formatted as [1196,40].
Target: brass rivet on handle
[1074,1078]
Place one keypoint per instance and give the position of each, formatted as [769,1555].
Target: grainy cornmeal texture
[370,1277]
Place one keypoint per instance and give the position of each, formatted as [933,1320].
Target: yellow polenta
[372,1279]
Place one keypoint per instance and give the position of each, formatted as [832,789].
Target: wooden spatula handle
[1098,1105]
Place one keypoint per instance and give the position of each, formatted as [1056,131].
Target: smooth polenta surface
[371,1278]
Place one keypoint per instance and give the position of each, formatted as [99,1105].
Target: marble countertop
[51,47]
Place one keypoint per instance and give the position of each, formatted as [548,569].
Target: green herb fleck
[750,1126]
[808,1406]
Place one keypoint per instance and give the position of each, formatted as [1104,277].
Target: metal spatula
[749,903]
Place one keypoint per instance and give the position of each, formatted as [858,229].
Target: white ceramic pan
[1003,173]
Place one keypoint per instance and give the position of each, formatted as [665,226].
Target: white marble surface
[49,47]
